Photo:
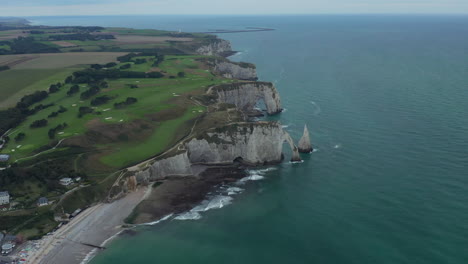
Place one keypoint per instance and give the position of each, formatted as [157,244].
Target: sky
[131,7]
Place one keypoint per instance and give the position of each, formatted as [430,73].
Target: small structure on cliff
[304,142]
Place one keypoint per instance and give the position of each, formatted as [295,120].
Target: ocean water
[385,100]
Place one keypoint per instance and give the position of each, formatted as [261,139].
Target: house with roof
[42,201]
[4,198]
[66,181]
[4,157]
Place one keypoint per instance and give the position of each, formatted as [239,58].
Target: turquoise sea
[386,101]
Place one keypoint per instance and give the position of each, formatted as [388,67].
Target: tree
[53,88]
[20,137]
[69,79]
[181,74]
[38,123]
[73,90]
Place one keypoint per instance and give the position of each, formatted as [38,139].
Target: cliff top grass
[152,116]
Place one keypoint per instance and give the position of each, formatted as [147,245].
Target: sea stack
[295,155]
[304,143]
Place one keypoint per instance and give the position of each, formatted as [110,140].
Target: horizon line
[235,14]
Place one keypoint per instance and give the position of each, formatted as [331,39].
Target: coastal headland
[144,123]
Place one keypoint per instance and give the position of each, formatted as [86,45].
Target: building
[4,157]
[66,181]
[77,179]
[4,198]
[7,248]
[42,201]
[8,244]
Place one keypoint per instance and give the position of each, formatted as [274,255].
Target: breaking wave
[216,202]
[158,221]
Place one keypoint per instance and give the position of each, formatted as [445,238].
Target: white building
[66,181]
[4,198]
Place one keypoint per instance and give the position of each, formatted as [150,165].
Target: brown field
[64,44]
[57,60]
[128,39]
[11,34]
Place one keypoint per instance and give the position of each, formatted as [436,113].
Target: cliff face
[217,47]
[178,165]
[245,95]
[240,71]
[251,143]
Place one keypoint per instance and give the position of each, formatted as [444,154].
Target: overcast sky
[116,7]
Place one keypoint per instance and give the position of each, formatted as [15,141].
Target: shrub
[20,137]
[100,100]
[73,90]
[38,123]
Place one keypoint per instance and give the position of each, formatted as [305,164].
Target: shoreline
[96,225]
[79,241]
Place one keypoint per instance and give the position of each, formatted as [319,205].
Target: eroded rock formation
[217,47]
[235,70]
[250,143]
[304,143]
[245,95]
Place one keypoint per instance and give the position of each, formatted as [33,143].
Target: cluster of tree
[73,90]
[4,68]
[83,110]
[31,99]
[12,117]
[93,90]
[100,100]
[125,66]
[54,130]
[23,45]
[140,61]
[61,110]
[157,60]
[53,88]
[100,66]
[132,86]
[129,57]
[20,136]
[128,101]
[181,74]
[39,123]
[48,173]
[81,36]
[36,32]
[94,76]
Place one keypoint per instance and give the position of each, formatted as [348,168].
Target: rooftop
[2,194]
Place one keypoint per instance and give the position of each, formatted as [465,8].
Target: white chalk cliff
[245,95]
[250,143]
[217,47]
[234,70]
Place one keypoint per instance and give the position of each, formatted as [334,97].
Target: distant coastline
[248,29]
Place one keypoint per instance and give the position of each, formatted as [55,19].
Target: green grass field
[153,95]
[14,84]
